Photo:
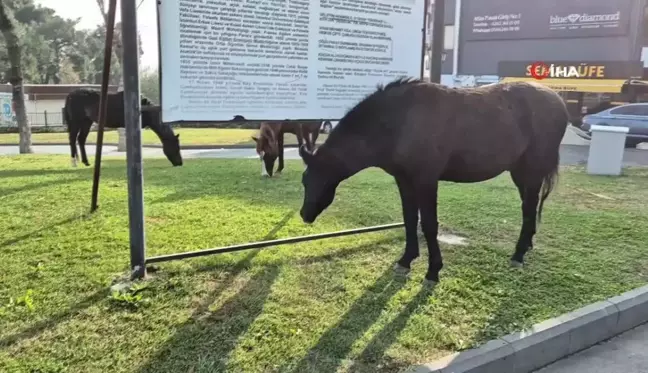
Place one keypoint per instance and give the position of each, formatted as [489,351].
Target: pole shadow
[334,345]
[370,359]
[5,192]
[206,340]
[38,231]
[38,328]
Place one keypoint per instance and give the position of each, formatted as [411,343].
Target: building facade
[479,34]
[43,103]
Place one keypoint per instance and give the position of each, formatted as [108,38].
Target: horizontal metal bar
[263,244]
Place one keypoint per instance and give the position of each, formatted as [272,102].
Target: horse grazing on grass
[270,142]
[82,109]
[422,133]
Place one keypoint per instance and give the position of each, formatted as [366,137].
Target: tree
[150,84]
[10,33]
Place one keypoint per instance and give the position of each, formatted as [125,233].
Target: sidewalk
[626,353]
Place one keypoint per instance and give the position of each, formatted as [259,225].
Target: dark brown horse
[270,142]
[82,109]
[422,133]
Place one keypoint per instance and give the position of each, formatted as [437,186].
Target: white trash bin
[606,150]
[121,142]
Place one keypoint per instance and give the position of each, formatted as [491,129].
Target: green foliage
[54,51]
[150,85]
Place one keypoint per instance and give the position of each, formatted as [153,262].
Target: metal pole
[132,117]
[263,244]
[103,101]
[438,28]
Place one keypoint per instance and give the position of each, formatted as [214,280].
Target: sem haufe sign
[571,69]
[541,19]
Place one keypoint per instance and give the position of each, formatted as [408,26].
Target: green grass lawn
[188,136]
[326,306]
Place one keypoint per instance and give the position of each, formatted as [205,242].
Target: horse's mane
[354,118]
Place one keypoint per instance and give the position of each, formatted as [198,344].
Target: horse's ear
[178,136]
[306,155]
[255,139]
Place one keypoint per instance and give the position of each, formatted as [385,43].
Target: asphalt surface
[569,154]
[625,353]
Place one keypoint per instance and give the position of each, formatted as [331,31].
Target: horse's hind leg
[529,190]
[73,132]
[83,135]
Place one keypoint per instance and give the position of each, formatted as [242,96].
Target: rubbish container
[121,142]
[606,150]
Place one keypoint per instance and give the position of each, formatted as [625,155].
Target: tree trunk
[8,29]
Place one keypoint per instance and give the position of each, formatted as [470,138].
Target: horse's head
[320,181]
[170,141]
[171,149]
[267,147]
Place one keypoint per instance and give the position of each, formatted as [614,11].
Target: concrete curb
[550,340]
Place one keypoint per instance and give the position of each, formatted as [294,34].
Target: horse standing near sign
[82,109]
[422,133]
[270,142]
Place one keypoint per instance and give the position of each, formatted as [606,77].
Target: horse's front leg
[280,144]
[427,199]
[411,219]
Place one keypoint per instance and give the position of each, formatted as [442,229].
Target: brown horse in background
[270,142]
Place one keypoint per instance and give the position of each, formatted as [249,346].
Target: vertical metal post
[132,119]
[103,101]
[438,28]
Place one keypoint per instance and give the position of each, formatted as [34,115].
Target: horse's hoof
[429,284]
[400,270]
[516,264]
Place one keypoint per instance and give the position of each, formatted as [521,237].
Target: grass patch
[188,136]
[321,306]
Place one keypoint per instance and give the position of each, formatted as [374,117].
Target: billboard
[546,19]
[277,60]
[491,31]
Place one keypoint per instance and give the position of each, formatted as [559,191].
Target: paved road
[626,353]
[570,154]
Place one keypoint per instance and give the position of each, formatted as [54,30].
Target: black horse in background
[422,133]
[82,109]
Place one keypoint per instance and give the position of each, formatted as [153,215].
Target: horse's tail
[66,112]
[548,184]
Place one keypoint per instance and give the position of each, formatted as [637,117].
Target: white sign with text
[282,59]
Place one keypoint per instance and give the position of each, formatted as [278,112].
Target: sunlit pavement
[569,154]
[626,353]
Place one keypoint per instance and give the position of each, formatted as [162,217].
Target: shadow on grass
[371,357]
[38,231]
[40,172]
[5,192]
[51,322]
[333,347]
[205,341]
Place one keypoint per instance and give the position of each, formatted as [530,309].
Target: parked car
[633,116]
